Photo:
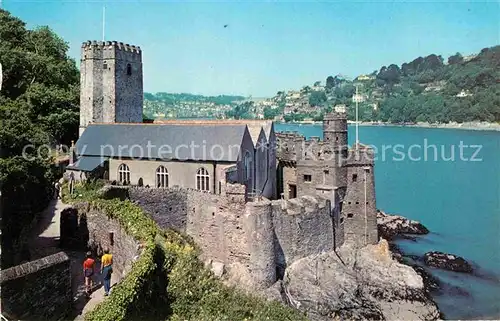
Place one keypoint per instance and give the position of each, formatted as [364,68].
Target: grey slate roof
[150,141]
[87,163]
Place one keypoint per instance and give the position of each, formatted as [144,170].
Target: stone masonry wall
[261,235]
[302,227]
[213,221]
[105,232]
[25,296]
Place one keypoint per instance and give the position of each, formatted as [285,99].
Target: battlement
[339,114]
[107,45]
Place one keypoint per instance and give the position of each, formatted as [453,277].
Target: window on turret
[354,177]
[307,178]
[350,215]
[104,66]
[336,138]
[129,70]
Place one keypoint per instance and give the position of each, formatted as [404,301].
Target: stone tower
[335,135]
[111,83]
[359,210]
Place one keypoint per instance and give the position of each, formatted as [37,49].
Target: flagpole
[357,127]
[103,22]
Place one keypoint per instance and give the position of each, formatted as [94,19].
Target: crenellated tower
[359,210]
[111,83]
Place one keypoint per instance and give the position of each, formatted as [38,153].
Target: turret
[335,127]
[359,208]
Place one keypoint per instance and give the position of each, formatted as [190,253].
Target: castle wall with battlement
[265,236]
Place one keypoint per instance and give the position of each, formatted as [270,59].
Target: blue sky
[268,46]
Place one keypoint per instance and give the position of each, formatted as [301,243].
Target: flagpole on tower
[357,125]
[103,22]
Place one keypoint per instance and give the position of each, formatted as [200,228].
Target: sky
[267,46]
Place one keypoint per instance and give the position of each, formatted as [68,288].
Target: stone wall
[265,236]
[38,290]
[96,231]
[302,227]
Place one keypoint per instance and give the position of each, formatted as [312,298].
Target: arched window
[202,180]
[129,70]
[161,177]
[247,166]
[124,174]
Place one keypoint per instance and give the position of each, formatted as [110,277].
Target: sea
[449,180]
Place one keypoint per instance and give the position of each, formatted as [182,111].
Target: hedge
[168,281]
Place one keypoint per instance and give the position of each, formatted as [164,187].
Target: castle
[275,199]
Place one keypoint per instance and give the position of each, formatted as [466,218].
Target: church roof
[163,141]
[254,126]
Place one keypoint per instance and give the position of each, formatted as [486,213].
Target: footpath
[44,241]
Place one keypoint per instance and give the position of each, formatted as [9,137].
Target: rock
[357,284]
[275,293]
[447,262]
[393,226]
[217,269]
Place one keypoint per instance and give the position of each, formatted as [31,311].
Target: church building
[116,145]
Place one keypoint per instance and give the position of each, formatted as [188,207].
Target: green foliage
[317,98]
[241,111]
[168,281]
[38,108]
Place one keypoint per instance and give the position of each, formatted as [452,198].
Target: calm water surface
[454,191]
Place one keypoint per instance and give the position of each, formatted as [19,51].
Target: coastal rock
[393,226]
[357,284]
[447,262]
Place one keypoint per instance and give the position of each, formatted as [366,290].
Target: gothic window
[161,177]
[202,180]
[124,174]
[129,70]
[247,166]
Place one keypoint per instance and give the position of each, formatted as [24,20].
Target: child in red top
[88,272]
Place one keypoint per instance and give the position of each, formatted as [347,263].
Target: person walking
[57,189]
[107,270]
[88,272]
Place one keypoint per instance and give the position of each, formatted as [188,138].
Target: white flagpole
[103,22]
[357,127]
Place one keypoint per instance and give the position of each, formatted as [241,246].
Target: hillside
[187,105]
[427,89]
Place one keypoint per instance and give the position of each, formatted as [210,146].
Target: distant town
[428,89]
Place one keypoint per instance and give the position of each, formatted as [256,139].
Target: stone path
[44,241]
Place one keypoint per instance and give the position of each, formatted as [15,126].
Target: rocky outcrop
[393,226]
[447,262]
[357,285]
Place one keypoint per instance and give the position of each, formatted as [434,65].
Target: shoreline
[478,126]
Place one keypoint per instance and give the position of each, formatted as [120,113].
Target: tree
[38,107]
[317,83]
[330,82]
[316,98]
[455,59]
